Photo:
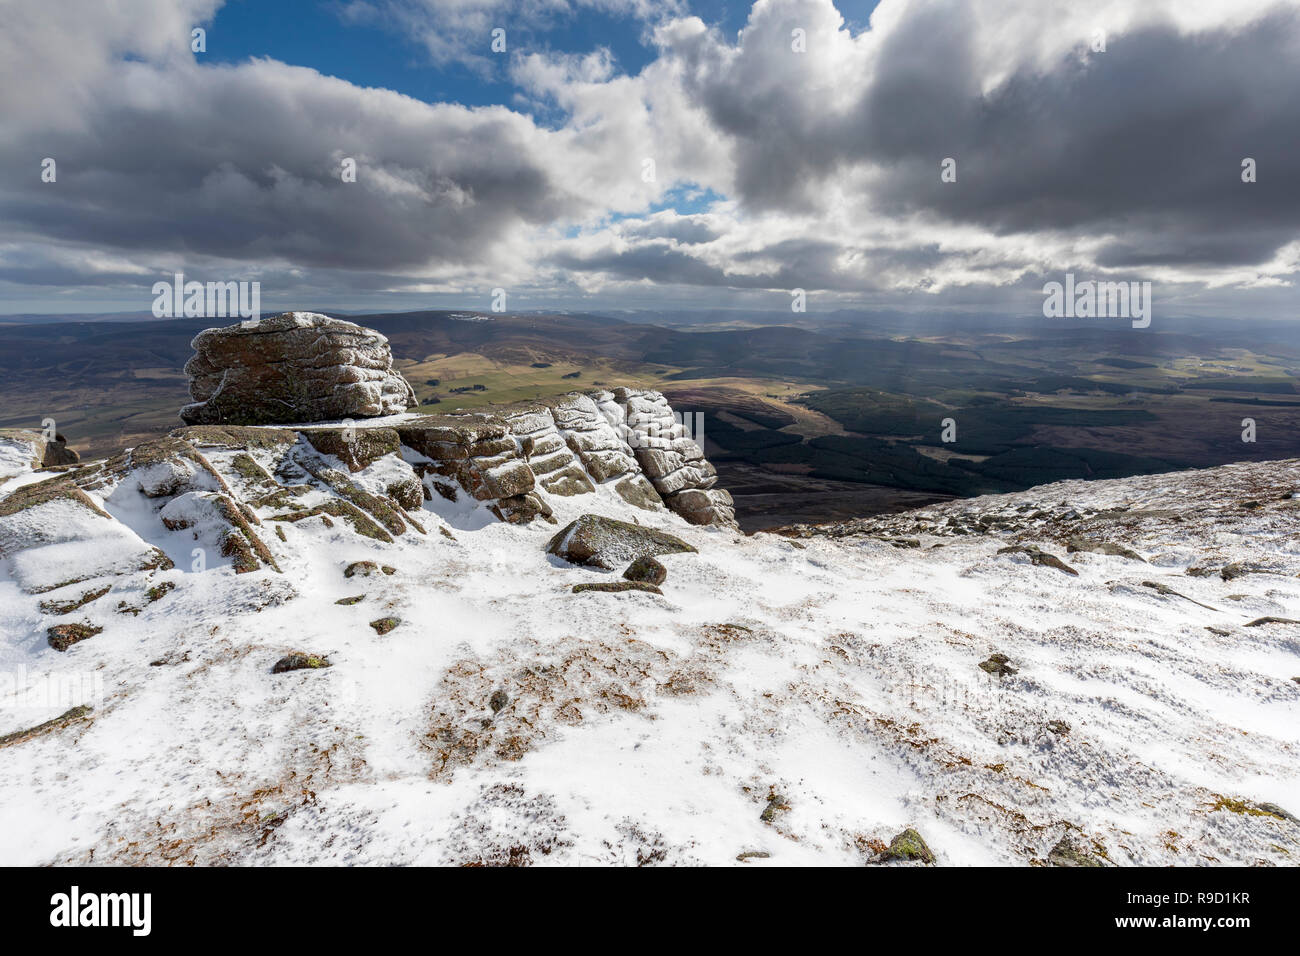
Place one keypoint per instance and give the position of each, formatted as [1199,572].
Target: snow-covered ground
[834,678]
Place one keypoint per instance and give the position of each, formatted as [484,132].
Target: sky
[650,154]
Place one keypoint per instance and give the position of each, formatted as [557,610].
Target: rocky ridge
[235,489]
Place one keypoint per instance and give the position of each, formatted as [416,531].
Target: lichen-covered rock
[1068,853]
[646,570]
[479,453]
[298,661]
[356,447]
[908,847]
[165,468]
[242,437]
[600,542]
[213,516]
[999,665]
[293,367]
[616,587]
[365,569]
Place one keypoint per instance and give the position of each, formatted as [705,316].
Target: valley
[819,420]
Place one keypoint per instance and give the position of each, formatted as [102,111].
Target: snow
[16,456]
[840,673]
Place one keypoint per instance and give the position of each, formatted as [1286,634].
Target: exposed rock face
[672,460]
[476,453]
[590,426]
[552,461]
[293,367]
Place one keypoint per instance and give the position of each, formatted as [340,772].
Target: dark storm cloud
[1145,139]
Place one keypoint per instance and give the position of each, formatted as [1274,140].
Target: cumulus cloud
[819,169]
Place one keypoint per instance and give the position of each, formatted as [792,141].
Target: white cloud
[1123,162]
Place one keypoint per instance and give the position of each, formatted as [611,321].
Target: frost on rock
[294,367]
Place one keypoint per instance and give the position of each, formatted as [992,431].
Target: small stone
[776,805]
[646,570]
[349,601]
[1068,853]
[384,624]
[616,587]
[753,855]
[998,664]
[365,568]
[498,701]
[298,661]
[907,846]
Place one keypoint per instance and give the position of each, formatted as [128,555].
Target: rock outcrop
[293,367]
[233,495]
[672,460]
[475,453]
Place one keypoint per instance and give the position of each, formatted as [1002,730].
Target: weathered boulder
[293,367]
[908,847]
[670,458]
[600,542]
[646,571]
